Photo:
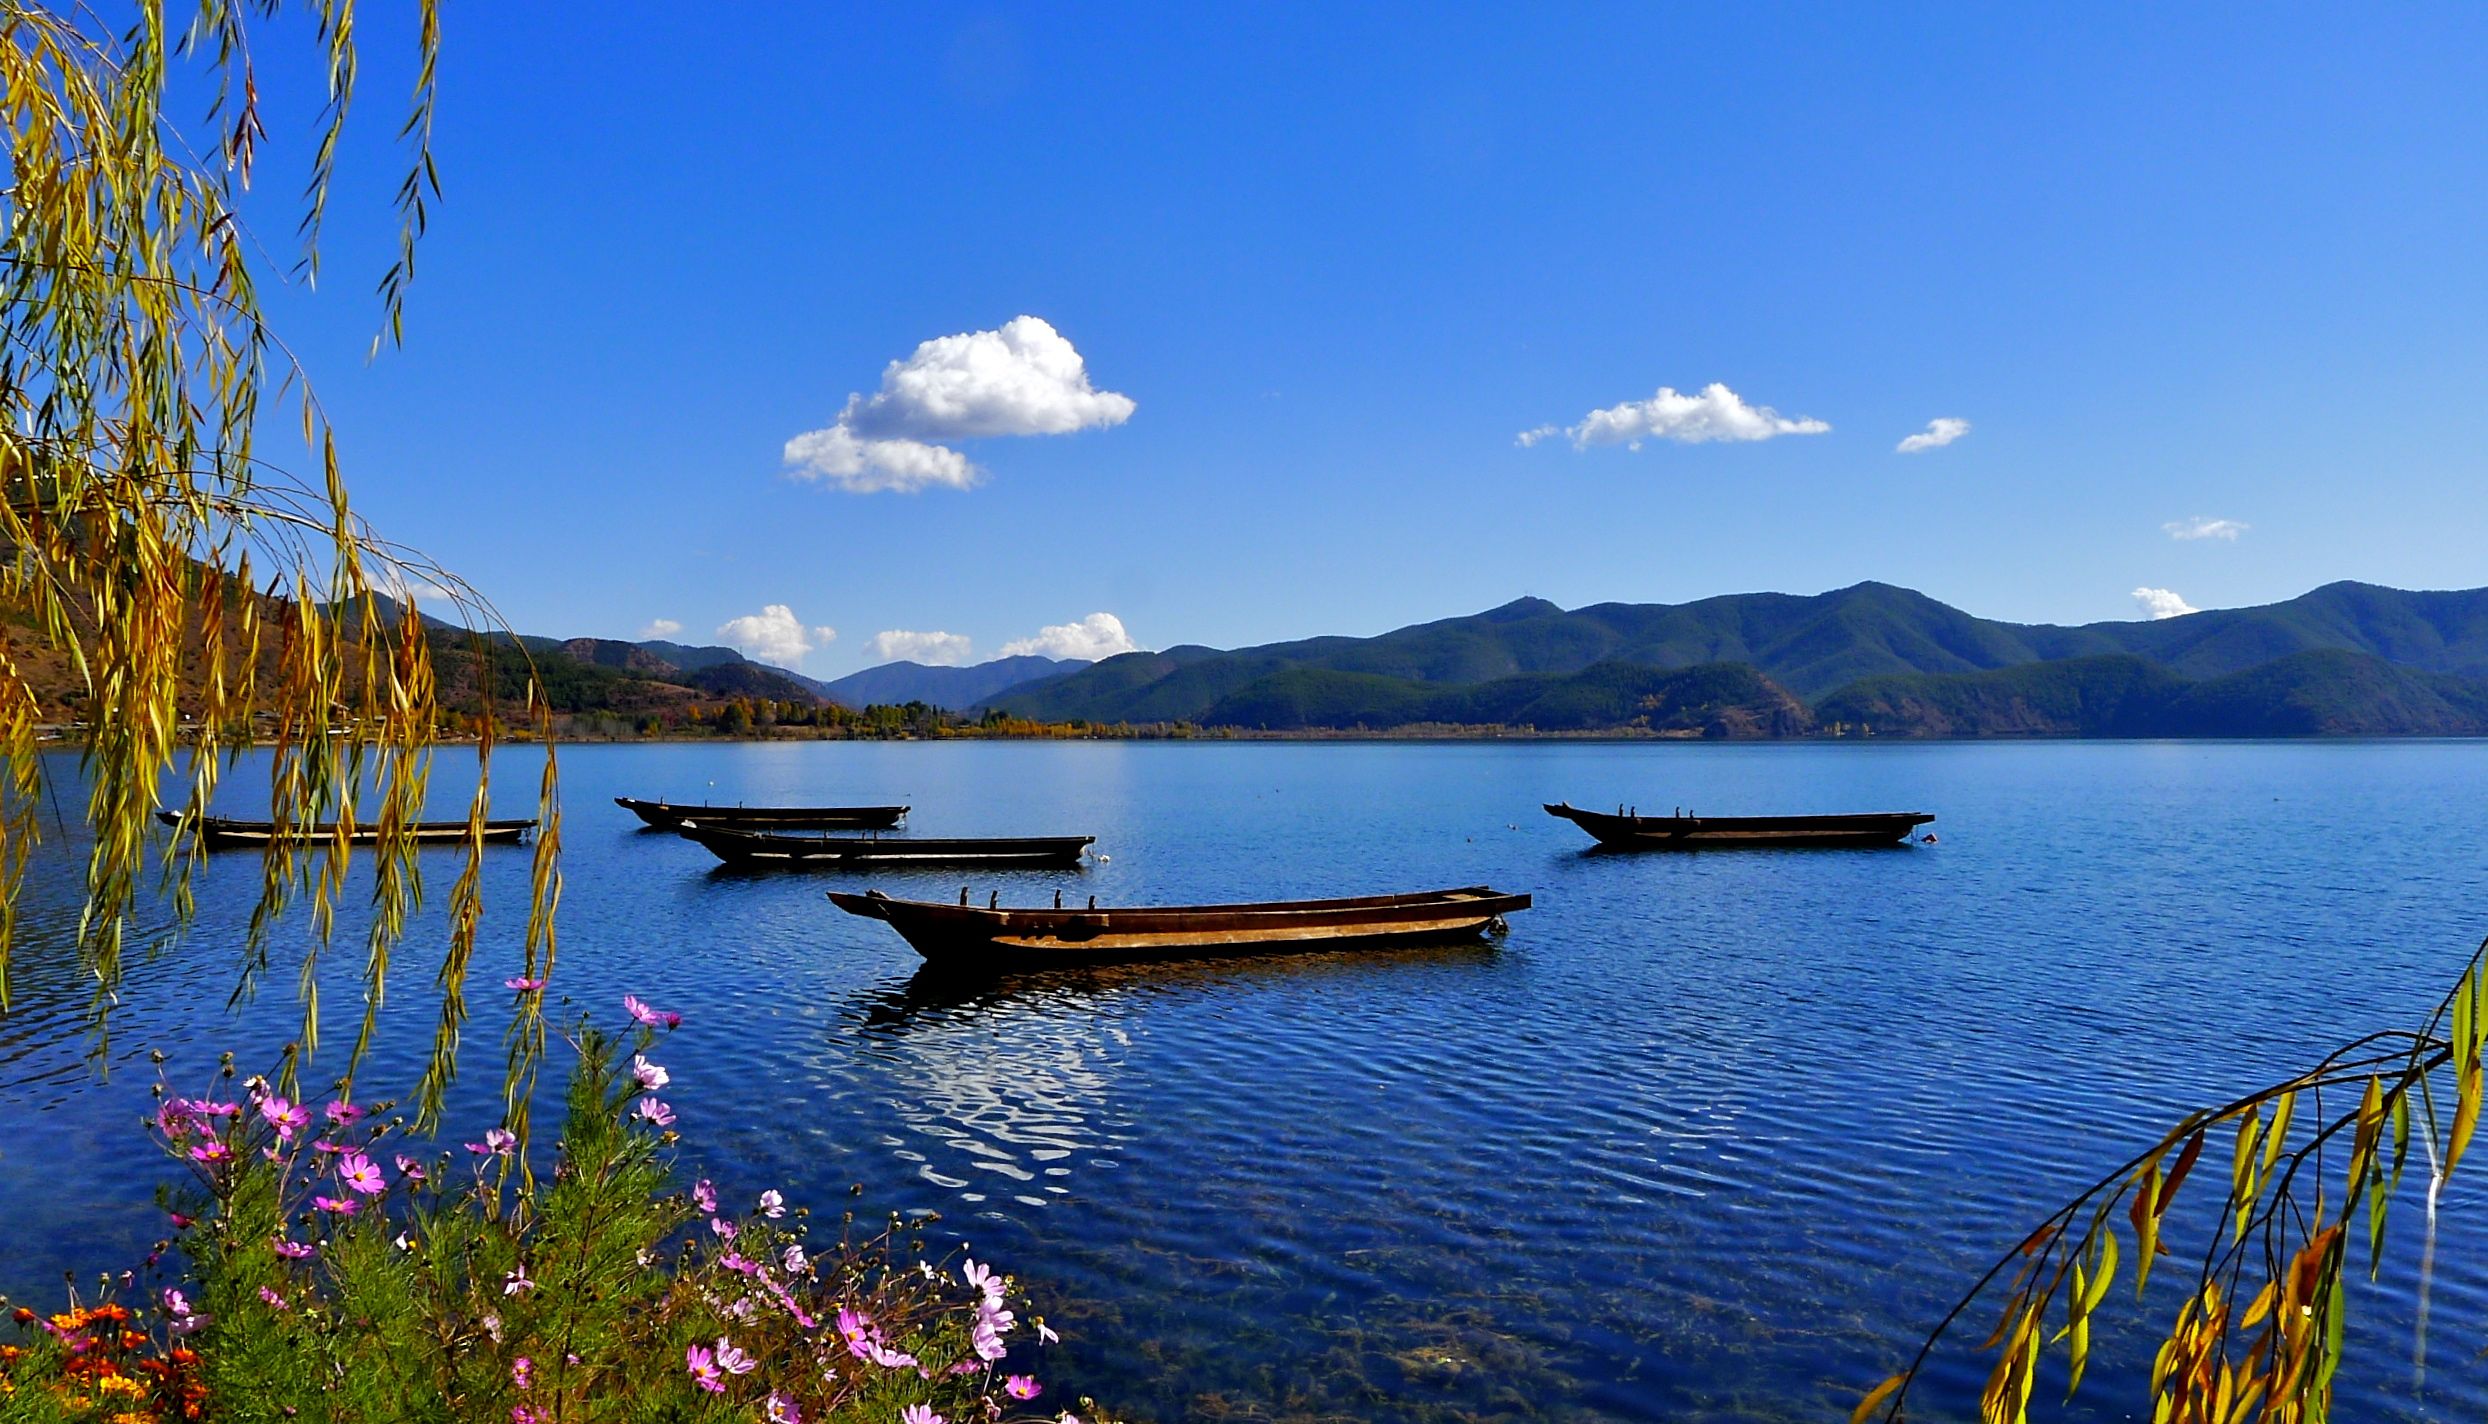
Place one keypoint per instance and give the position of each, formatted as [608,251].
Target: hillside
[1873,653]
[957,688]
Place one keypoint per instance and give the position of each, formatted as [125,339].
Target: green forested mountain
[2344,658]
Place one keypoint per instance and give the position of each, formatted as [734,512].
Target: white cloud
[1100,635]
[1716,413]
[2201,528]
[861,466]
[1939,432]
[659,628]
[2163,603]
[931,649]
[774,635]
[1023,379]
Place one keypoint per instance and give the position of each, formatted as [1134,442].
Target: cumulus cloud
[2162,603]
[659,628]
[1100,635]
[2201,528]
[1715,413]
[931,649]
[774,635]
[1939,432]
[1024,379]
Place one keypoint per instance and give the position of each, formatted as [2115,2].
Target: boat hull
[1879,828]
[971,938]
[219,833]
[738,847]
[667,816]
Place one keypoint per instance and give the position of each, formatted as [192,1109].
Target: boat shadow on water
[937,992]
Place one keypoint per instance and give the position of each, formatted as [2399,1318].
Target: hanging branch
[2259,1333]
[149,545]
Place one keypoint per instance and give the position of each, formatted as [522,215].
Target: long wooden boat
[1682,832]
[667,815]
[993,938]
[224,833]
[737,847]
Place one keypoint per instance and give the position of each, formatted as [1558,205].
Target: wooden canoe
[736,847]
[223,833]
[974,937]
[1681,832]
[666,815]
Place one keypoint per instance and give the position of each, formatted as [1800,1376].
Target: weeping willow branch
[144,539]
[2258,1335]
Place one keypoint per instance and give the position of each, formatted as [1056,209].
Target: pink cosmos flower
[525,1414]
[782,1409]
[296,1250]
[738,1263]
[326,1147]
[723,1228]
[1048,1336]
[795,1261]
[344,1114]
[703,1367]
[275,1301]
[523,985]
[920,1414]
[655,1113]
[522,1371]
[175,1303]
[409,1168]
[287,1118]
[360,1174]
[1021,1387]
[344,1207]
[181,1222]
[517,1281]
[983,1279]
[651,1076]
[732,1360]
[772,1205]
[497,1143]
[211,1152]
[208,1109]
[987,1342]
[704,1195]
[653,1018]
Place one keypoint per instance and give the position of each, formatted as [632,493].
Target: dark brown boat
[737,847]
[665,815]
[222,833]
[993,938]
[1682,832]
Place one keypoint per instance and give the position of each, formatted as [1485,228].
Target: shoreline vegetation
[329,1261]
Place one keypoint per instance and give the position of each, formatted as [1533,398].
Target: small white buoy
[1104,859]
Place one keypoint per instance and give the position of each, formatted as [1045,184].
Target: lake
[1704,1137]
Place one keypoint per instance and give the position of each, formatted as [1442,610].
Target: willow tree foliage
[2313,1165]
[210,590]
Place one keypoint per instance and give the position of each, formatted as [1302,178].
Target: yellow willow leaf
[2145,1215]
[2465,1114]
[2278,1136]
[2464,1047]
[2260,1306]
[1875,1398]
[2078,1350]
[2103,1271]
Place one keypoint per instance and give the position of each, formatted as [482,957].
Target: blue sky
[2219,263]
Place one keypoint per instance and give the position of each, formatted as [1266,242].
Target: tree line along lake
[1709,1136]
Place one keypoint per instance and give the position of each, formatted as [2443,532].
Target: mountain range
[2347,658]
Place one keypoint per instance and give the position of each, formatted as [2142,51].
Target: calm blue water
[1706,1137]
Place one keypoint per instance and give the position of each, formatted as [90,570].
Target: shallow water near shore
[1703,1137]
